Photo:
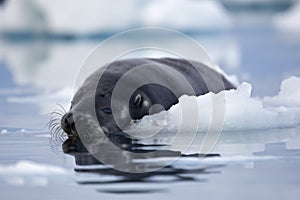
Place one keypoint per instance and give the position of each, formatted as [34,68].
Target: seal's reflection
[109,177]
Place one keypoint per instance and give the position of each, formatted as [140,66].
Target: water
[38,74]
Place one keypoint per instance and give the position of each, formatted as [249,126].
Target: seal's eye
[107,111]
[138,100]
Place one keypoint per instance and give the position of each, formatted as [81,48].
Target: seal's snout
[68,125]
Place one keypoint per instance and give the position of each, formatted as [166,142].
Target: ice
[186,15]
[289,21]
[102,16]
[3,131]
[242,111]
[28,173]
[289,94]
[67,16]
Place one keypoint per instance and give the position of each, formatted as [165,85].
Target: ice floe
[241,111]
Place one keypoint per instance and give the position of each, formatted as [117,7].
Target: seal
[130,89]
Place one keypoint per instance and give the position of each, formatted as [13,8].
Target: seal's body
[129,89]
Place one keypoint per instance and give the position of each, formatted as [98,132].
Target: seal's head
[114,96]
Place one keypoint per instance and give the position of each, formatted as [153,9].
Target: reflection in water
[110,178]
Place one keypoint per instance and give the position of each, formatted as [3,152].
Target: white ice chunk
[289,95]
[240,110]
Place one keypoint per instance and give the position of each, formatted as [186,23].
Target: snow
[289,21]
[242,112]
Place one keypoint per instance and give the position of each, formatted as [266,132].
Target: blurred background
[43,43]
